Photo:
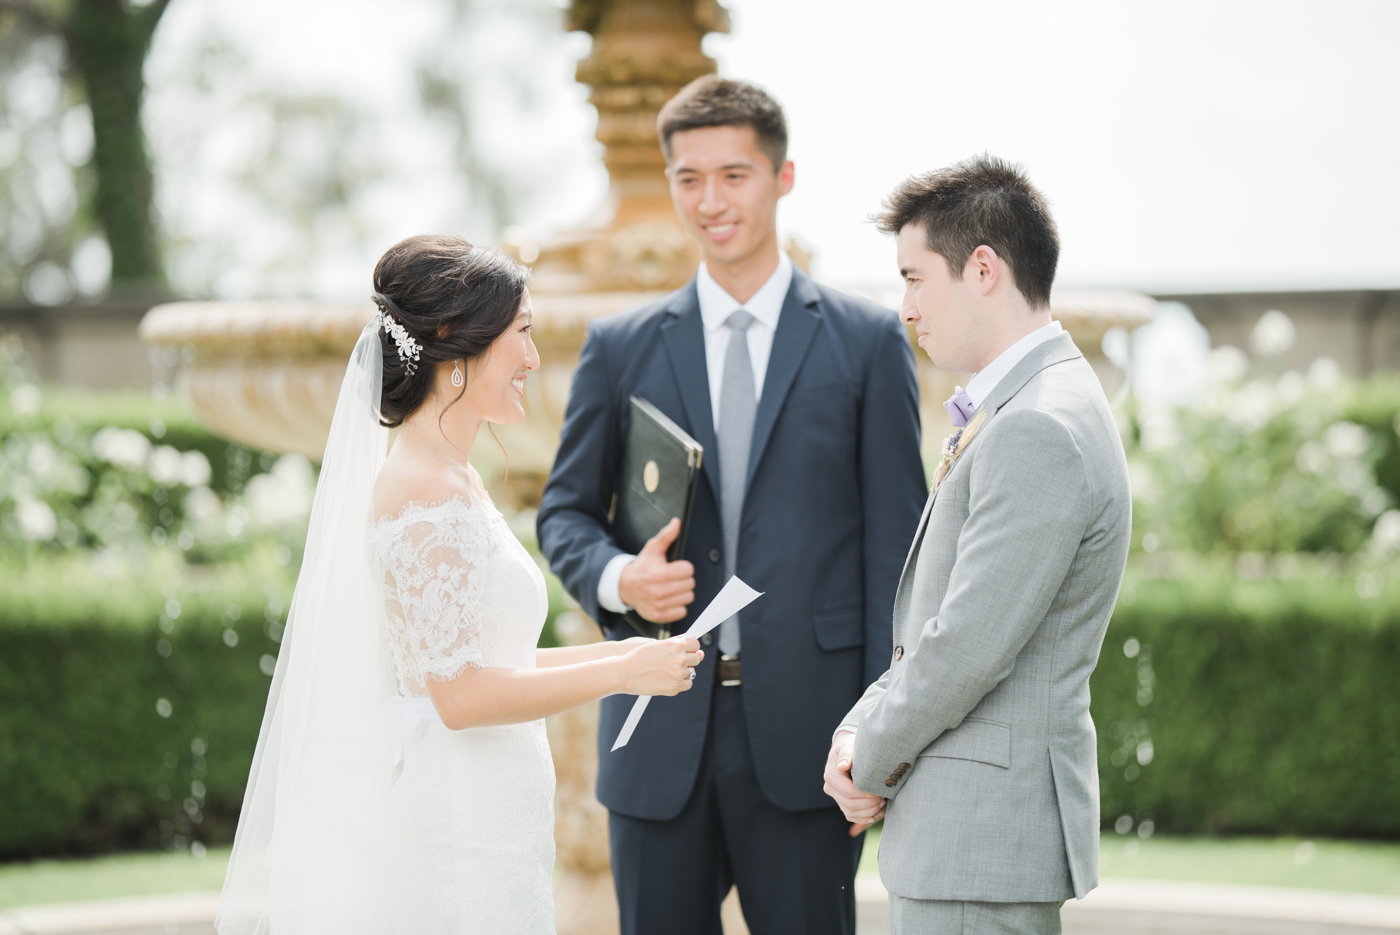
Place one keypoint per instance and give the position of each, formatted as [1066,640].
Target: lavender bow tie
[960,407]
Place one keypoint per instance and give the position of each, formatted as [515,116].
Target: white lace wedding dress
[471,816]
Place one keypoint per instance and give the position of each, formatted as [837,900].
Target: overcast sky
[1184,146]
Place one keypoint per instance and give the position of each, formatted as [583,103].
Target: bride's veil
[304,858]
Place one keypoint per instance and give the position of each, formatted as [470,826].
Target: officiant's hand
[660,667]
[659,590]
[860,808]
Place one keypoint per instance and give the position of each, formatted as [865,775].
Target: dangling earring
[456,375]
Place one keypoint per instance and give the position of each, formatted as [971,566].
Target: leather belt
[728,672]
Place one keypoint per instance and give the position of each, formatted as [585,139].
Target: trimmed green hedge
[87,761]
[1267,707]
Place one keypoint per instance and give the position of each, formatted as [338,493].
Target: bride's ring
[692,675]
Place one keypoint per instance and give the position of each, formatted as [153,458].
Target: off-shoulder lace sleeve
[434,570]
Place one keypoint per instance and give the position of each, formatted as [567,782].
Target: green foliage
[140,874]
[1250,688]
[1251,707]
[46,176]
[125,474]
[130,706]
[88,763]
[1267,466]
[1346,866]
[1375,403]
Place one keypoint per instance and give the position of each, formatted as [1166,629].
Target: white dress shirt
[716,306]
[986,380]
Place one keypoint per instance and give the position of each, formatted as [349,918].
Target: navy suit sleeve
[892,484]
[572,524]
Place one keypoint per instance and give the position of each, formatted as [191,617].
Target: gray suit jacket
[979,732]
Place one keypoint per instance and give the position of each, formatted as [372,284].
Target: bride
[402,781]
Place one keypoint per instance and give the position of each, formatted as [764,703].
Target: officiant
[805,403]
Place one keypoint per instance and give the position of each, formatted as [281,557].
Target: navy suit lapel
[684,337]
[797,324]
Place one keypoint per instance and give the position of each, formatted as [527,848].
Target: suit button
[898,653]
[714,556]
[893,780]
[707,639]
[902,768]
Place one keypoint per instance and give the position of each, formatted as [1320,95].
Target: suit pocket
[975,739]
[842,629]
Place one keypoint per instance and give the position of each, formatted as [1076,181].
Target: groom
[977,743]
[806,403]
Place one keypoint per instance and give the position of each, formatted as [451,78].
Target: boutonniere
[954,445]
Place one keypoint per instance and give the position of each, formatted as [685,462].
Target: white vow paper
[732,598]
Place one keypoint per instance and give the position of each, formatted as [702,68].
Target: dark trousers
[795,871]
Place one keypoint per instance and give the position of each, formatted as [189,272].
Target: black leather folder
[660,468]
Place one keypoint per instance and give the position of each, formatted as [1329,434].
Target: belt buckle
[731,683]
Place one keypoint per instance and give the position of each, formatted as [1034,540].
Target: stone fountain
[267,373]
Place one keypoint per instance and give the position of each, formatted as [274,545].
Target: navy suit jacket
[835,491]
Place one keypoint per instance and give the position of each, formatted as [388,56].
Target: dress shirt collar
[716,305]
[986,379]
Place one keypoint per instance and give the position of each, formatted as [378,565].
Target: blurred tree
[269,184]
[46,177]
[262,185]
[106,42]
[484,80]
[267,181]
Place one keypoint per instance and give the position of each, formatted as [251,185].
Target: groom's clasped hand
[860,808]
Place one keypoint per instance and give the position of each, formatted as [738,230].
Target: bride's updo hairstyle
[452,298]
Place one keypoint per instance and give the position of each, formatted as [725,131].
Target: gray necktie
[737,403]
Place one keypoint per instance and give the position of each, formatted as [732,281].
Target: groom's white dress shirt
[716,306]
[986,380]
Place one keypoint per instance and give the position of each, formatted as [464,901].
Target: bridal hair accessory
[409,349]
[457,378]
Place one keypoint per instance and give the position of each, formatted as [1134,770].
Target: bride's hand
[660,667]
[623,647]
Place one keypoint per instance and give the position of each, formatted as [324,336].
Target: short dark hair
[712,101]
[453,298]
[981,201]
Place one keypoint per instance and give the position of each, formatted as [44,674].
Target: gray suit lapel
[918,536]
[1057,350]
[1054,351]
[901,592]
